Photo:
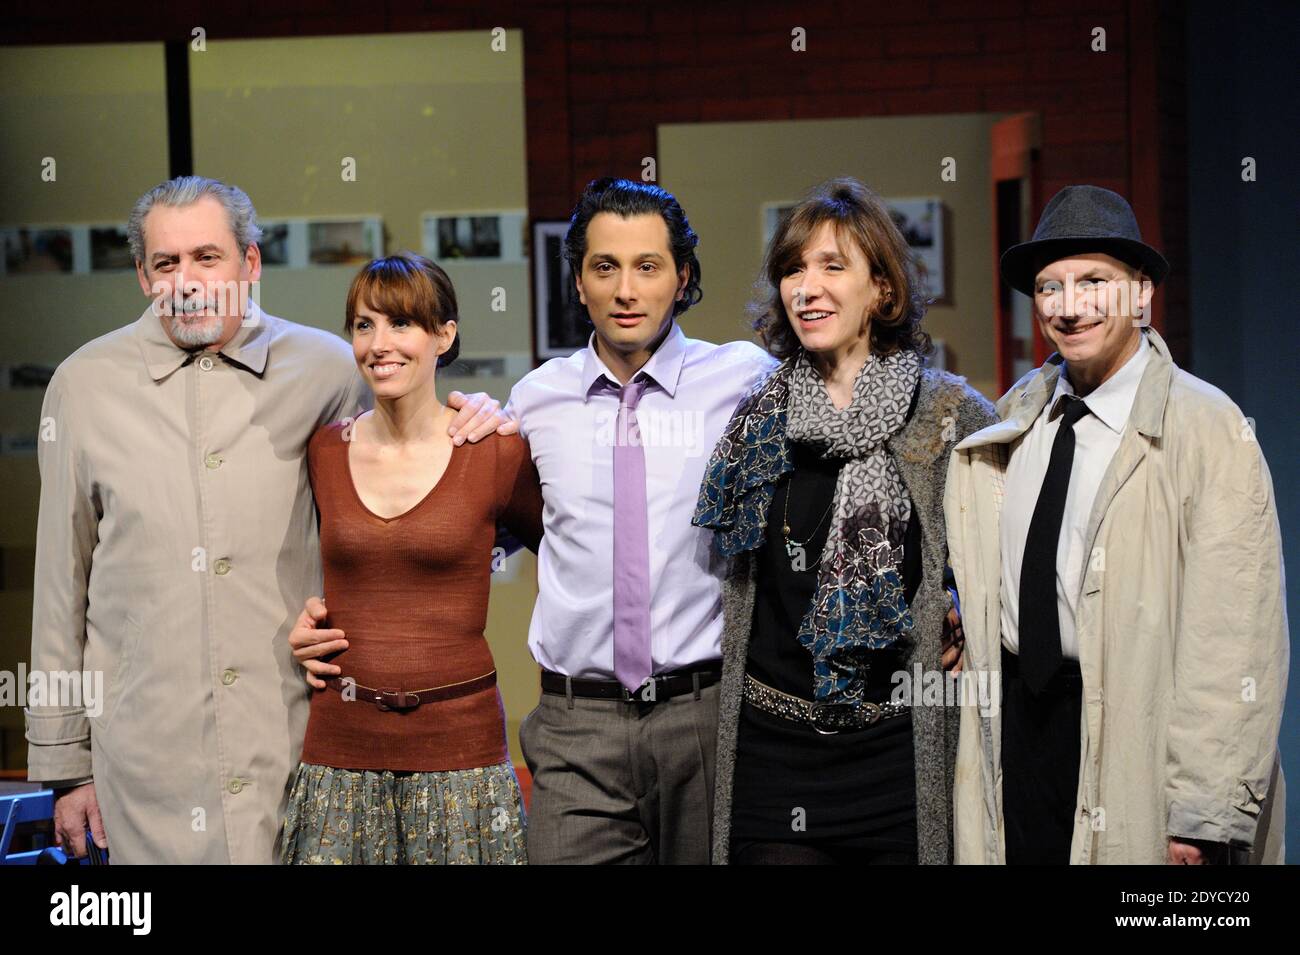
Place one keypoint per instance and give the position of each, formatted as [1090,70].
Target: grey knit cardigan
[947,410]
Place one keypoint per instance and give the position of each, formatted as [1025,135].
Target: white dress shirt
[1096,438]
[570,419]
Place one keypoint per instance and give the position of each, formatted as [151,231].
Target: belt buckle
[634,696]
[823,717]
[391,698]
[831,718]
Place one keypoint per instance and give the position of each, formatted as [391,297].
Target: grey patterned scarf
[860,603]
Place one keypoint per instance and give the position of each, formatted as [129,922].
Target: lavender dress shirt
[570,419]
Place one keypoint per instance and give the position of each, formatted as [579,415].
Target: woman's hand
[954,642]
[478,416]
[310,641]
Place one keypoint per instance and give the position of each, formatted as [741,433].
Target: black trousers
[1040,764]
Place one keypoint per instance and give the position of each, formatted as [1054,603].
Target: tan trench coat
[1181,623]
[176,543]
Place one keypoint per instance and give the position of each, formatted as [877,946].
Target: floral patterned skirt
[370,817]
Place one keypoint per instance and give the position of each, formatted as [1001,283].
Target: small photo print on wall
[109,249]
[274,243]
[562,326]
[344,241]
[31,250]
[921,222]
[473,236]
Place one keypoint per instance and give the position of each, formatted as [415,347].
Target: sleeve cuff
[1204,818]
[58,745]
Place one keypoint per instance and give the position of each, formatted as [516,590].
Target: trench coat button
[213,461]
[222,566]
[229,677]
[206,362]
[235,786]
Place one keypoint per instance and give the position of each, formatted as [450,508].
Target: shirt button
[213,461]
[235,786]
[206,362]
[229,676]
[222,566]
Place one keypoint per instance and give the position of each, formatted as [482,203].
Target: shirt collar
[664,367]
[162,356]
[1112,400]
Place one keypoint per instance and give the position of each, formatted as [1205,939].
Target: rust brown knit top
[411,593]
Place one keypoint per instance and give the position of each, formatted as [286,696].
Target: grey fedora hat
[1082,219]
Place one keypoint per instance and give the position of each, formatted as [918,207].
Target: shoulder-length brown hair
[858,215]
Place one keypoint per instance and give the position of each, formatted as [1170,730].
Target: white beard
[191,333]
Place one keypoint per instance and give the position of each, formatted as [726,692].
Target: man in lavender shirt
[628,621]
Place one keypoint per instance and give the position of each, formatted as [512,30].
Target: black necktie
[1040,624]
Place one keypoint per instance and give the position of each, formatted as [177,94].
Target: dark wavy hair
[858,215]
[406,285]
[626,198]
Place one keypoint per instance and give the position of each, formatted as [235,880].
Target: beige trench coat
[176,543]
[1181,623]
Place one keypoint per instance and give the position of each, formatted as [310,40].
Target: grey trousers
[618,782]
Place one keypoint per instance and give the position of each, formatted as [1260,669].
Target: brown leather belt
[392,698]
[662,687]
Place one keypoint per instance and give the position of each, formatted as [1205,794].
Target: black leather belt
[657,688]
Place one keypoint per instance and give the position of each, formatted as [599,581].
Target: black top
[784,593]
[792,783]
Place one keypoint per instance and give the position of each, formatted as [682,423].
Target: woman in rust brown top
[405,758]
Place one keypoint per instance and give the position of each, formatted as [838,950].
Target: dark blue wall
[1244,266]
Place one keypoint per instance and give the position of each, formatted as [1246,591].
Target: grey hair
[187,190]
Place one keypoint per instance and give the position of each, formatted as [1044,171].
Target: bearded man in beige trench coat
[177,541]
[1128,597]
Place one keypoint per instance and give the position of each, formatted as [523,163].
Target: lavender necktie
[632,663]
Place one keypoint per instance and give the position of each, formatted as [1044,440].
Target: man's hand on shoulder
[478,415]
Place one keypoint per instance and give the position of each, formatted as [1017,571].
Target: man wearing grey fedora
[1116,546]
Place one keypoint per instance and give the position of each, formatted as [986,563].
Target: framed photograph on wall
[473,236]
[275,242]
[110,249]
[344,241]
[772,213]
[921,222]
[29,249]
[560,324]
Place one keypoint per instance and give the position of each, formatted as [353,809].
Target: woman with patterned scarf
[826,493]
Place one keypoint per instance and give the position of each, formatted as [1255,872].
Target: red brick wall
[598,79]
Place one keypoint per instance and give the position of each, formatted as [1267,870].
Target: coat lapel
[1018,408]
[1145,422]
